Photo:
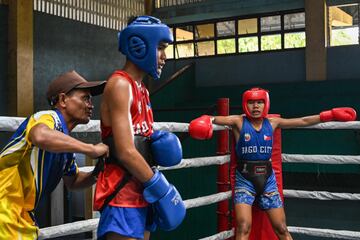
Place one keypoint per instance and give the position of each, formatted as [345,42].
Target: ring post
[223,170]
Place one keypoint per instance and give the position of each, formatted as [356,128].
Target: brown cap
[69,81]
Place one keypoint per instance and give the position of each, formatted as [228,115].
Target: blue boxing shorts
[245,193]
[128,222]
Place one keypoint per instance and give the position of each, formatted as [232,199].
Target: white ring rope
[315,232]
[199,162]
[335,125]
[11,124]
[329,233]
[321,195]
[69,228]
[206,200]
[322,159]
[222,235]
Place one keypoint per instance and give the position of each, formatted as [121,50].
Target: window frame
[236,35]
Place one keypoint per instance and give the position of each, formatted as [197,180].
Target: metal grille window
[171,3]
[112,14]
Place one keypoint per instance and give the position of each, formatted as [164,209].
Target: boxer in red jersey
[128,183]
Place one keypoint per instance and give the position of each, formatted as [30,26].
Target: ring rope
[352,125]
[322,159]
[329,233]
[69,229]
[321,195]
[315,232]
[222,235]
[10,124]
[199,162]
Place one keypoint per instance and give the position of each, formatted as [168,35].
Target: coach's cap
[69,81]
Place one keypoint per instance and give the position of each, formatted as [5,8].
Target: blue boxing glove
[167,203]
[166,148]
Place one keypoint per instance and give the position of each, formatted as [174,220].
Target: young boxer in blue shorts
[255,179]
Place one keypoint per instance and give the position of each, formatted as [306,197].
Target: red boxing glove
[342,114]
[201,128]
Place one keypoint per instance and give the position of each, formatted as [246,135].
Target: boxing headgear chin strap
[139,42]
[256,94]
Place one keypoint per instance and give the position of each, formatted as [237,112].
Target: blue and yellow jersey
[27,173]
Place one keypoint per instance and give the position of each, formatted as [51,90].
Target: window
[269,24]
[184,33]
[295,40]
[248,44]
[248,39]
[184,50]
[240,35]
[203,32]
[185,36]
[270,42]
[226,46]
[247,26]
[294,22]
[344,24]
[206,48]
[169,51]
[226,37]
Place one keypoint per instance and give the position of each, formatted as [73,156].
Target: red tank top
[142,120]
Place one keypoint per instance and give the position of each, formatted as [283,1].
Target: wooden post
[316,40]
[148,7]
[20,82]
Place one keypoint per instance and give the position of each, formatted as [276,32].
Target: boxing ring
[10,124]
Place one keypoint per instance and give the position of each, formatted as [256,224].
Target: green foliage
[248,44]
[270,42]
[295,40]
[226,46]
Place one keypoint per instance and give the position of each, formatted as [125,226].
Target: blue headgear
[139,42]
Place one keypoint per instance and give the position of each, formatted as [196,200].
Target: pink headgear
[256,94]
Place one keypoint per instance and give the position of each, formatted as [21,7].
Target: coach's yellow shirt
[27,173]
